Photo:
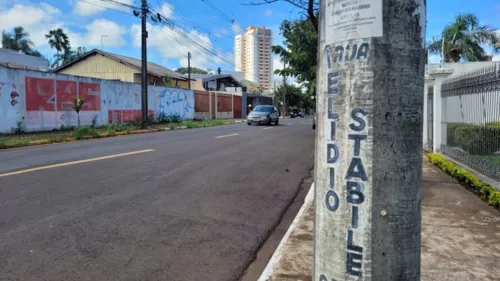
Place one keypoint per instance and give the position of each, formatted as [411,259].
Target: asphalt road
[185,205]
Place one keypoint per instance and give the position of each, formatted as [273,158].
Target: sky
[206,28]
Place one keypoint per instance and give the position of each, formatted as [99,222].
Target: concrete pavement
[194,207]
[460,236]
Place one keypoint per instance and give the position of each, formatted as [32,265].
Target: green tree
[19,41]
[167,79]
[294,95]
[194,70]
[58,40]
[463,40]
[299,52]
[80,51]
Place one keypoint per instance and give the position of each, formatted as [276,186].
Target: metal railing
[471,119]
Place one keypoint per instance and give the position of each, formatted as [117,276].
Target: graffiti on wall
[48,102]
[9,106]
[176,102]
[10,91]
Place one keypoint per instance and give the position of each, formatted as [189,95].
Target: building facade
[253,55]
[110,66]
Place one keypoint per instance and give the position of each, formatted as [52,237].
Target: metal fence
[471,119]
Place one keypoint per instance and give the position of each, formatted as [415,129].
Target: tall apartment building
[253,55]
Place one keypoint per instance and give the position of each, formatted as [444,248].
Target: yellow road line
[225,136]
[74,162]
[268,128]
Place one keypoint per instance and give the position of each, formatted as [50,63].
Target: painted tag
[352,19]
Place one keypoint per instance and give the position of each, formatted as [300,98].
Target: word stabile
[355,189]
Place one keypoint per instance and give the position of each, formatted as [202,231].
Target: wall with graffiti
[173,102]
[43,101]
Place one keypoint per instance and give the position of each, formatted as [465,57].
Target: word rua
[345,52]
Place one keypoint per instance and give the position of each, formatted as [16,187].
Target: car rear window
[263,109]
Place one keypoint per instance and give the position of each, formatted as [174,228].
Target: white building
[253,55]
[13,59]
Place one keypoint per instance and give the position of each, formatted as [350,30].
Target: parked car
[297,112]
[314,121]
[263,114]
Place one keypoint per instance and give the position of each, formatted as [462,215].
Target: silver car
[263,114]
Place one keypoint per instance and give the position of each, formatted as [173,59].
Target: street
[182,205]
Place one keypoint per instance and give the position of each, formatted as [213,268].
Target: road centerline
[225,136]
[268,128]
[74,162]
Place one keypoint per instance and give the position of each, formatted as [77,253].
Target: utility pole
[144,73]
[102,44]
[189,69]
[368,159]
[284,91]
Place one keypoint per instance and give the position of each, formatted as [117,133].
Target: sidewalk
[460,236]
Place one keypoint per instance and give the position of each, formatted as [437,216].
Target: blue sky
[207,26]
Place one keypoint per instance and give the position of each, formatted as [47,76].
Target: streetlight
[314,103]
[102,36]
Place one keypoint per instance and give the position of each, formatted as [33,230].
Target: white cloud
[37,20]
[92,7]
[167,11]
[268,12]
[172,45]
[113,32]
[236,27]
[219,32]
[50,9]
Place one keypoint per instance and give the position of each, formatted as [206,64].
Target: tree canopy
[194,70]
[19,40]
[463,40]
[299,52]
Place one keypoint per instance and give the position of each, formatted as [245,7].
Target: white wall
[43,100]
[9,56]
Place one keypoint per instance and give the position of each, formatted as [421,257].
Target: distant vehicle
[263,114]
[297,112]
[314,121]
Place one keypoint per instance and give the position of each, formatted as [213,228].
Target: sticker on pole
[353,19]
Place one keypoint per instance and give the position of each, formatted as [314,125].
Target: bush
[81,132]
[176,118]
[193,124]
[488,192]
[163,118]
[475,139]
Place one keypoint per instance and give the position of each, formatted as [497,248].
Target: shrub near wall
[475,139]
[488,192]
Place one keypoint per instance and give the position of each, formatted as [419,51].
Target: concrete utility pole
[144,73]
[369,140]
[284,91]
[189,69]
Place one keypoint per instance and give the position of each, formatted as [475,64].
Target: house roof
[211,77]
[153,68]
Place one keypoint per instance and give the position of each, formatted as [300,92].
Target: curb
[44,142]
[268,271]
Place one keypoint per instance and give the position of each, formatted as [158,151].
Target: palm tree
[463,40]
[19,41]
[58,40]
[80,51]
